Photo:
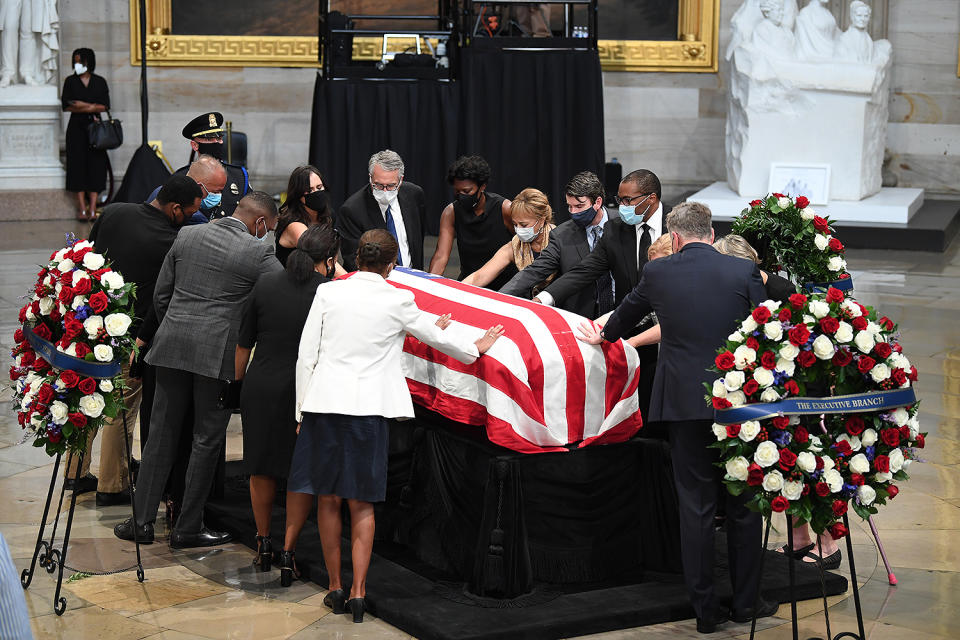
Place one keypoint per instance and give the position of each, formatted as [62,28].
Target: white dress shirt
[401,228]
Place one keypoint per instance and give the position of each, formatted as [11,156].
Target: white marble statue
[855,44]
[748,15]
[28,42]
[817,32]
[771,37]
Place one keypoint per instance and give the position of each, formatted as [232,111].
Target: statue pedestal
[887,206]
[30,124]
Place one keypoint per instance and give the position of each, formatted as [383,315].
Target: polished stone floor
[216,594]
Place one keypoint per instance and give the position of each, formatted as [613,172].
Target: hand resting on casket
[489,336]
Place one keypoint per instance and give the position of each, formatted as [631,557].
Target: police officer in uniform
[205,133]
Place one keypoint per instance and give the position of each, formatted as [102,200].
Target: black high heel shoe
[287,568]
[264,553]
[335,600]
[356,606]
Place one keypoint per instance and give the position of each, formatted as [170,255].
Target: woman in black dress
[306,204]
[478,219]
[273,319]
[85,95]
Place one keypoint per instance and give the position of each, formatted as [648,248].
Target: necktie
[642,247]
[605,301]
[392,228]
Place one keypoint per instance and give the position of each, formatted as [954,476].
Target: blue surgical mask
[628,213]
[211,201]
[526,234]
[585,217]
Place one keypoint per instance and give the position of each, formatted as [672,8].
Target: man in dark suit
[387,202]
[699,296]
[205,280]
[622,251]
[570,243]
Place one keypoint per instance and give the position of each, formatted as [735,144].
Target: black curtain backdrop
[536,116]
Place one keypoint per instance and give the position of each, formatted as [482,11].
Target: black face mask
[216,149]
[468,201]
[317,201]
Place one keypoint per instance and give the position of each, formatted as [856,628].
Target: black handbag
[104,134]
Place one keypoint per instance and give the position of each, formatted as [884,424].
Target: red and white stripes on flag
[538,388]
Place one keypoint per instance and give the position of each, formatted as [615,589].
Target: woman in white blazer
[349,383]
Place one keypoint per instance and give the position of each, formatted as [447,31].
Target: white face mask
[526,234]
[385,197]
[79,68]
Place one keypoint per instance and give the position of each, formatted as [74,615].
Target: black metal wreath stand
[45,552]
[793,598]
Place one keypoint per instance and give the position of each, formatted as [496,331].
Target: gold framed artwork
[186,43]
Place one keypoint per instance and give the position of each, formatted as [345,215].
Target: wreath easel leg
[41,549]
[133,503]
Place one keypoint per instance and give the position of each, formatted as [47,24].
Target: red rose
[784,314]
[899,376]
[761,314]
[77,419]
[721,403]
[46,394]
[912,376]
[23,313]
[806,359]
[842,357]
[779,504]
[920,441]
[802,202]
[904,432]
[15,374]
[799,335]
[892,491]
[839,508]
[835,245]
[787,459]
[779,195]
[83,287]
[41,366]
[882,350]
[854,425]
[792,387]
[750,387]
[798,300]
[837,531]
[834,295]
[822,489]
[882,464]
[886,323]
[768,360]
[69,378]
[843,448]
[43,331]
[890,437]
[71,330]
[66,279]
[87,386]
[55,314]
[801,435]
[725,361]
[752,343]
[781,422]
[18,336]
[27,358]
[756,203]
[857,479]
[829,324]
[865,363]
[54,436]
[859,323]
[733,430]
[820,224]
[754,475]
[66,295]
[99,301]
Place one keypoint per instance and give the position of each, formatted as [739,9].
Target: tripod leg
[26,577]
[59,602]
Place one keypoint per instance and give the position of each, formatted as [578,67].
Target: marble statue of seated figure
[817,32]
[770,38]
[855,44]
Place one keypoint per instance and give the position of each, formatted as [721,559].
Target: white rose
[58,384]
[111,280]
[906,463]
[36,421]
[58,412]
[823,347]
[773,330]
[807,461]
[833,479]
[749,325]
[855,443]
[65,265]
[868,437]
[30,315]
[864,341]
[103,353]
[59,255]
[807,213]
[63,309]
[792,490]
[743,356]
[874,329]
[719,431]
[46,305]
[733,380]
[736,398]
[719,391]
[749,430]
[882,477]
[58,288]
[836,263]
[50,281]
[764,377]
[106,385]
[851,307]
[71,350]
[897,461]
[736,336]
[899,416]
[821,241]
[92,325]
[786,366]
[767,454]
[769,395]
[773,481]
[809,320]
[789,351]
[859,463]
[737,468]
[866,495]
[783,203]
[79,277]
[819,308]
[93,261]
[844,332]
[772,305]
[78,302]
[880,372]
[914,425]
[92,405]
[117,324]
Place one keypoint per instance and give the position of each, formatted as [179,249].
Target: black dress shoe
[110,499]
[204,538]
[86,484]
[709,624]
[124,531]
[765,608]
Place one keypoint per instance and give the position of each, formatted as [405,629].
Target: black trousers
[697,479]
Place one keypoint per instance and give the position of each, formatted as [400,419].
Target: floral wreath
[789,235]
[74,334]
[811,466]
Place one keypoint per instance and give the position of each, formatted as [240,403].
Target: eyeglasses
[379,186]
[631,200]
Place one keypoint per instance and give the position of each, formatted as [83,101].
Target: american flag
[538,388]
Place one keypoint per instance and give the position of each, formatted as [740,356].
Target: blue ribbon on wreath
[800,406]
[846,284]
[63,361]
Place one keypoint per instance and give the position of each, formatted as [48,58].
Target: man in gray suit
[205,279]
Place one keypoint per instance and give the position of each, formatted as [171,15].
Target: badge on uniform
[213,120]
[234,189]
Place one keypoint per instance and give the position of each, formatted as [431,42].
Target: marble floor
[216,594]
